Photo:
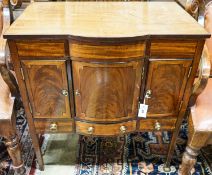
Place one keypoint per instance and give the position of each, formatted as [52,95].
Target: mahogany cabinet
[98,87]
[87,73]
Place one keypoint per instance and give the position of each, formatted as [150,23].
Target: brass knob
[157,126]
[123,129]
[65,92]
[77,92]
[90,130]
[148,94]
[53,127]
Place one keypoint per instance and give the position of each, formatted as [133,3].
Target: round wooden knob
[53,127]
[90,130]
[123,129]
[157,126]
[65,92]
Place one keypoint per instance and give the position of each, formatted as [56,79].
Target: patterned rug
[133,154]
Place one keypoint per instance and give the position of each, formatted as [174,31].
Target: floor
[61,154]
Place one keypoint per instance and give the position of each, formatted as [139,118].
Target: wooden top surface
[105,19]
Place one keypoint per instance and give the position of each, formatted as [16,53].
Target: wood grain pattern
[173,49]
[196,140]
[43,126]
[104,86]
[24,96]
[149,124]
[45,81]
[167,81]
[108,92]
[105,129]
[40,49]
[88,51]
[114,19]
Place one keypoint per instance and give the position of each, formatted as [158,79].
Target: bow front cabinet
[88,74]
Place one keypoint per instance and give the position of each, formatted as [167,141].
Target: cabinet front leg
[14,151]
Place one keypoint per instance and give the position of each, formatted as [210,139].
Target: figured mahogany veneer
[177,49]
[107,51]
[86,66]
[53,126]
[151,124]
[47,91]
[105,129]
[167,80]
[107,92]
[41,49]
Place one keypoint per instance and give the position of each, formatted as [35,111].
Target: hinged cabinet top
[105,20]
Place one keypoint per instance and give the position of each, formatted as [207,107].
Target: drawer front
[53,126]
[105,129]
[99,52]
[156,124]
[173,49]
[40,49]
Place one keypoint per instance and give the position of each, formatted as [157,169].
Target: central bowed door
[107,92]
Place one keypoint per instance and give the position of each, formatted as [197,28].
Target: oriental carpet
[133,154]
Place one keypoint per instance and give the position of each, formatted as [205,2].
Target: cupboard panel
[165,86]
[47,88]
[107,92]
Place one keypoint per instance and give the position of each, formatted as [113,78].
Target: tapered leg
[14,151]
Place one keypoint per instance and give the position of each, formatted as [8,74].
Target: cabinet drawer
[173,49]
[100,52]
[40,49]
[105,129]
[156,124]
[53,126]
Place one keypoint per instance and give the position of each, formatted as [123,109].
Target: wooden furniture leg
[14,151]
[196,141]
[8,131]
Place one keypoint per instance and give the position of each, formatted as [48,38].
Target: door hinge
[181,103]
[189,72]
[22,73]
[30,108]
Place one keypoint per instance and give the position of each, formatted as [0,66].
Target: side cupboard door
[165,86]
[47,88]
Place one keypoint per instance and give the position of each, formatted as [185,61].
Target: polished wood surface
[177,49]
[114,19]
[167,81]
[105,129]
[53,126]
[151,124]
[107,51]
[46,92]
[106,70]
[107,92]
[40,48]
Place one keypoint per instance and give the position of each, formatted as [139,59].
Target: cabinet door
[166,81]
[107,92]
[47,88]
